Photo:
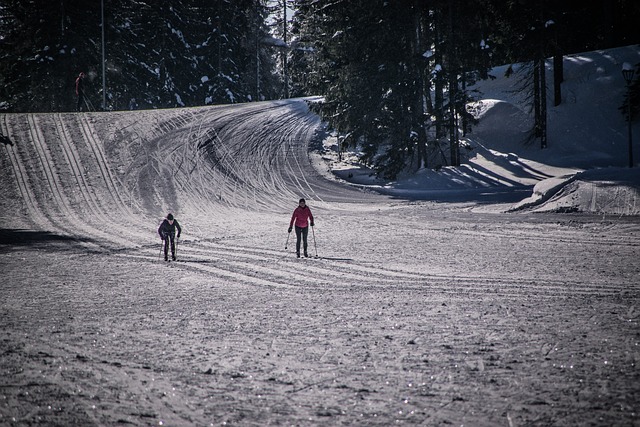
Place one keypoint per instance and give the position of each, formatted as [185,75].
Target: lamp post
[627,73]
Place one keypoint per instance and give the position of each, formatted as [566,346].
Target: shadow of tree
[5,140]
[11,238]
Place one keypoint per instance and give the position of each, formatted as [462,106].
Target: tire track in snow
[91,201]
[103,165]
[255,149]
[22,179]
[188,163]
[58,191]
[565,237]
[58,194]
[47,167]
[278,169]
[257,267]
[243,148]
[44,210]
[244,151]
[213,271]
[115,210]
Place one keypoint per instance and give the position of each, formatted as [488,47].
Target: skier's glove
[178,235]
[289,230]
[312,224]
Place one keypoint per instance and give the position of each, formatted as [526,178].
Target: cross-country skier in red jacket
[301,218]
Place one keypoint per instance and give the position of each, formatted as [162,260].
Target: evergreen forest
[393,74]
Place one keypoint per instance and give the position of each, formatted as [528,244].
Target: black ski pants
[169,238]
[301,232]
[80,101]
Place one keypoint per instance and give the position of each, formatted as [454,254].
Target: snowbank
[582,170]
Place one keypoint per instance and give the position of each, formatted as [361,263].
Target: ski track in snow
[414,313]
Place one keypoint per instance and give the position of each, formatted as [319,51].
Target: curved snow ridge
[613,191]
[250,156]
[110,177]
[543,191]
[51,202]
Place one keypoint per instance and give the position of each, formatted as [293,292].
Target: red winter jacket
[79,85]
[301,216]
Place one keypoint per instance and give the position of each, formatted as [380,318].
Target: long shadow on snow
[488,195]
[197,261]
[13,238]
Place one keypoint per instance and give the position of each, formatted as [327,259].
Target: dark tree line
[158,54]
[395,73]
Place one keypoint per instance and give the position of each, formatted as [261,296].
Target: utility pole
[62,17]
[104,74]
[627,72]
[285,51]
[542,69]
[257,65]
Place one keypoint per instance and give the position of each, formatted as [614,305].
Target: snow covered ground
[584,169]
[505,292]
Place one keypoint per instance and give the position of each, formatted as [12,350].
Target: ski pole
[161,247]
[314,241]
[176,253]
[287,243]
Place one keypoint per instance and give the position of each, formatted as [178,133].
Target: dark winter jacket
[167,228]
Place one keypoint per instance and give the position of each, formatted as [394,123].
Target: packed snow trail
[103,177]
[411,308]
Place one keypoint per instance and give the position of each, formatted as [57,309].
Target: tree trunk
[421,25]
[439,84]
[558,78]
[452,71]
[543,104]
[285,65]
[463,104]
[542,69]
[536,97]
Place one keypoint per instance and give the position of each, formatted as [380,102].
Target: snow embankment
[601,191]
[582,168]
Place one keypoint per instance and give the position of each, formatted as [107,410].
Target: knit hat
[170,217]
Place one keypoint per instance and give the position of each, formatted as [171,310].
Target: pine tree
[377,75]
[162,54]
[46,45]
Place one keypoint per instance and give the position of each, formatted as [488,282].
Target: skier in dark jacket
[167,232]
[80,91]
[301,218]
